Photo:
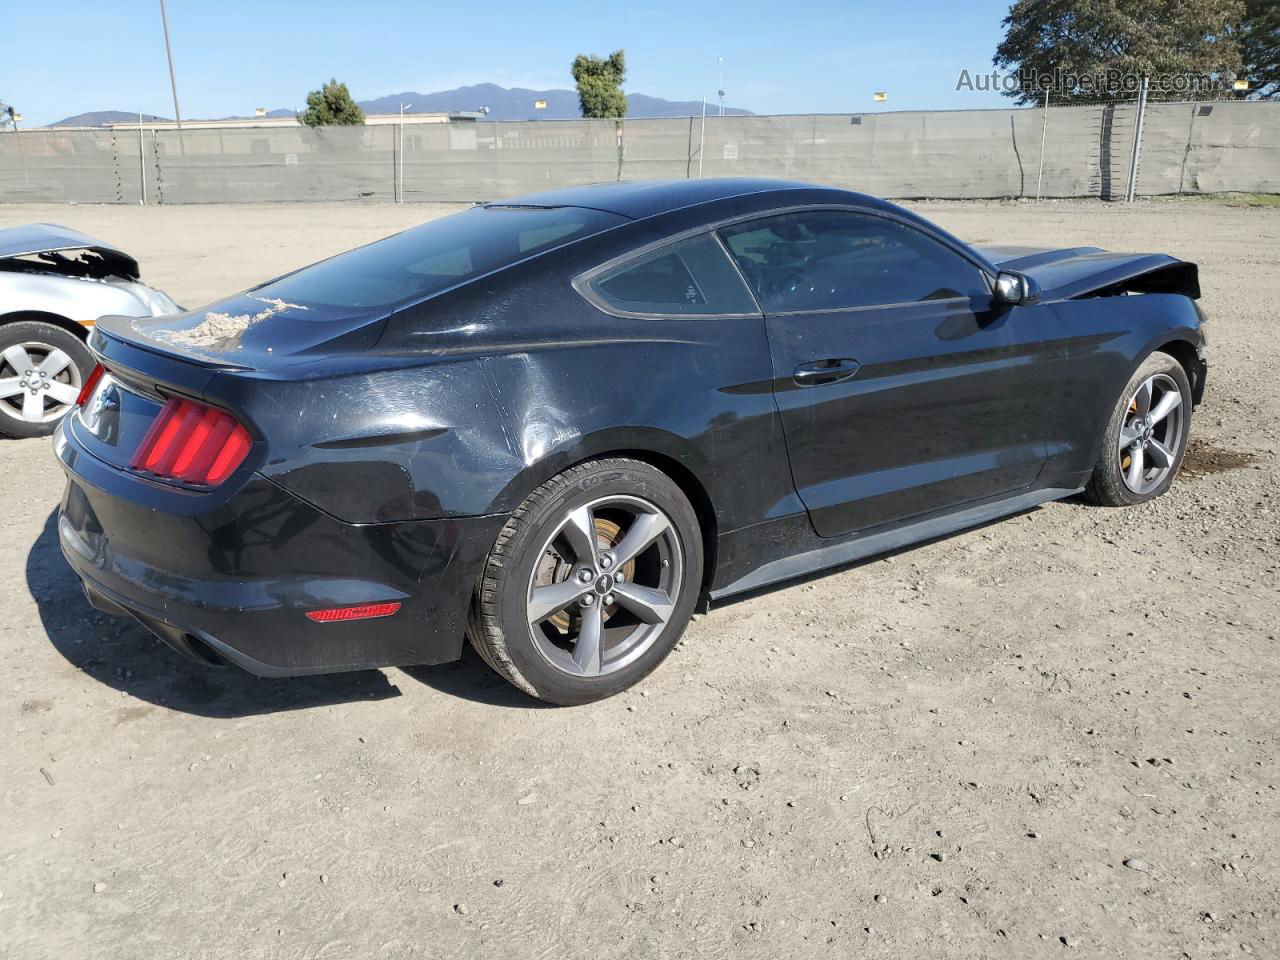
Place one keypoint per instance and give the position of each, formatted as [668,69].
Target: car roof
[638,199]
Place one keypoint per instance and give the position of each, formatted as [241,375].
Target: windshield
[436,256]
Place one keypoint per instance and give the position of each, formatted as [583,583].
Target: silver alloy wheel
[38,382]
[606,584]
[1151,435]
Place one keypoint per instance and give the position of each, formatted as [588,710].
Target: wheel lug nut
[608,599]
[584,576]
[618,577]
[588,600]
[606,561]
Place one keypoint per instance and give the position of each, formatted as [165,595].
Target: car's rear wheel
[1146,437]
[42,368]
[591,582]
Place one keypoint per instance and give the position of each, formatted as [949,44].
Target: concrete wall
[1187,148]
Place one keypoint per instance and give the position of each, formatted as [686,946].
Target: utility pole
[168,49]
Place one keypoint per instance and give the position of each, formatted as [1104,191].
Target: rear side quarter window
[688,278]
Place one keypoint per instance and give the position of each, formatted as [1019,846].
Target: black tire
[1107,486]
[500,627]
[50,337]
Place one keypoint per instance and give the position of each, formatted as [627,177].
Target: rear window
[436,256]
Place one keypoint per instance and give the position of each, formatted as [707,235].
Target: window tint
[687,277]
[436,255]
[827,259]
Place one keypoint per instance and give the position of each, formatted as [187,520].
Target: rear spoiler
[121,336]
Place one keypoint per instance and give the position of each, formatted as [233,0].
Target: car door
[902,390]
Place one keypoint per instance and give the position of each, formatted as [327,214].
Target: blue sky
[63,58]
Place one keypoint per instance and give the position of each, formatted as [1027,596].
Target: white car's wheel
[42,368]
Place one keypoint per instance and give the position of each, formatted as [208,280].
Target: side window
[688,278]
[829,259]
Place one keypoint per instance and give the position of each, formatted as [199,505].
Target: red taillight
[192,443]
[365,611]
[90,382]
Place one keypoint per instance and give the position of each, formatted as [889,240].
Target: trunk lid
[249,331]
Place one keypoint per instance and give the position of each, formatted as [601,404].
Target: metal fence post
[620,132]
[1186,153]
[1137,142]
[702,136]
[688,153]
[142,164]
[1044,134]
[399,188]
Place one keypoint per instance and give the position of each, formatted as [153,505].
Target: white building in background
[240,123]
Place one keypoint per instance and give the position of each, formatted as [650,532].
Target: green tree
[1161,39]
[1260,47]
[331,105]
[600,85]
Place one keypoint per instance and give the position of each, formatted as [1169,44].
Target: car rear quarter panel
[490,390]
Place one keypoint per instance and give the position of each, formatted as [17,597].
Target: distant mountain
[516,103]
[98,118]
[270,113]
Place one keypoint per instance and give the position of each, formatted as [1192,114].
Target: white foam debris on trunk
[222,331]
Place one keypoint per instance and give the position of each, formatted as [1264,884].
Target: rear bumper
[234,583]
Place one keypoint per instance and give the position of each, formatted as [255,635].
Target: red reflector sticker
[89,384]
[367,611]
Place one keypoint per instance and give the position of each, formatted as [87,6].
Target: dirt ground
[1056,733]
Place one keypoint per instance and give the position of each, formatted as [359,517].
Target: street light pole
[720,88]
[168,49]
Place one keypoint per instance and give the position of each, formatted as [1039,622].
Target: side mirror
[1011,289]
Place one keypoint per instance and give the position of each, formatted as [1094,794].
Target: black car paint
[390,447]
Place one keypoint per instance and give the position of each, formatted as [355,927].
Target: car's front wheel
[42,368]
[1146,437]
[591,582]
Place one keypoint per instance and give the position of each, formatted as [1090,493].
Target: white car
[54,285]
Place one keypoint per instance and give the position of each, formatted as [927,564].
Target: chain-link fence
[1070,151]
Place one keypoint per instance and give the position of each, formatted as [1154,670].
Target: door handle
[831,370]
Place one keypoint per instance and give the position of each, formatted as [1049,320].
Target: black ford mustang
[559,424]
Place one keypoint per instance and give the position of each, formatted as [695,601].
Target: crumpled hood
[1075,271]
[36,238]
